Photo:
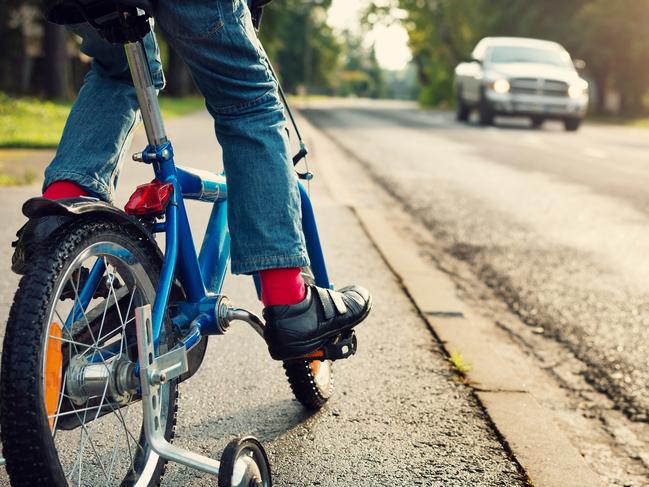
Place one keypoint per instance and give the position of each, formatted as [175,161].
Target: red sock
[64,189]
[282,286]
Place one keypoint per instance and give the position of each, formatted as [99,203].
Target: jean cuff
[256,264]
[93,186]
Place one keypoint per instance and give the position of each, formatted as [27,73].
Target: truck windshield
[520,54]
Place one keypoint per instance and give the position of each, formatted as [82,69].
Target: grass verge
[459,363]
[27,177]
[616,120]
[37,124]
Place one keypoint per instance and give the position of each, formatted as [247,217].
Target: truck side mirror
[579,64]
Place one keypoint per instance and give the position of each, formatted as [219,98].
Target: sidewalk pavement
[401,414]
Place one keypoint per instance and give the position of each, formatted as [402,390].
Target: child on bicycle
[218,42]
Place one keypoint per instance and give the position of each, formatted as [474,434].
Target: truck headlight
[577,90]
[500,86]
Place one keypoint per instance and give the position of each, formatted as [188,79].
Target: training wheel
[244,464]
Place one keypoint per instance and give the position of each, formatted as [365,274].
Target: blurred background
[395,49]
[404,49]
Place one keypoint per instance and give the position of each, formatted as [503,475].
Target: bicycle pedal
[340,347]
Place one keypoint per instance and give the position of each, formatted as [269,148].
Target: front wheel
[537,122]
[68,416]
[485,113]
[462,109]
[572,124]
[312,381]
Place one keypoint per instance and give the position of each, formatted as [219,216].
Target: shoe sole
[299,350]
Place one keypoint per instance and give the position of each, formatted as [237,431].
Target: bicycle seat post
[146,92]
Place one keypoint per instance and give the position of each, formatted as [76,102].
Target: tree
[57,62]
[611,37]
[179,81]
[11,39]
[615,44]
[360,73]
[301,44]
[441,33]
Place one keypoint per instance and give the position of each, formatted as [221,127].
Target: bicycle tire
[28,437]
[311,381]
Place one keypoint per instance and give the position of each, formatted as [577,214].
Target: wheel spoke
[58,406]
[130,303]
[112,291]
[66,330]
[72,342]
[122,419]
[92,429]
[107,302]
[81,447]
[83,311]
[74,411]
[88,432]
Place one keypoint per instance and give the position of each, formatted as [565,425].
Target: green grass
[27,177]
[176,107]
[309,98]
[458,362]
[27,122]
[618,120]
[38,124]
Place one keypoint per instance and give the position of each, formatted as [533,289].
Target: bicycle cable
[303,151]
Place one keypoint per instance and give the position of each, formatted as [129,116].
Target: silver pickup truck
[521,77]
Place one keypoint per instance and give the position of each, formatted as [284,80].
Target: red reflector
[149,199]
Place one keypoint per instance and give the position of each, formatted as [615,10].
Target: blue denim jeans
[217,41]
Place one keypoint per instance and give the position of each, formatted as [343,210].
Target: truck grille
[538,86]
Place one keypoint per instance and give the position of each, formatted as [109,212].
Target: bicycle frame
[203,311]
[202,275]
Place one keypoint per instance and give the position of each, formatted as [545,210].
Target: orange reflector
[316,354]
[53,370]
[315,366]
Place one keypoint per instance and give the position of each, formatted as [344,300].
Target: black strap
[332,303]
[326,302]
[339,302]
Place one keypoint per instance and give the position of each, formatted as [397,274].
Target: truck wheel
[462,111]
[537,122]
[486,114]
[572,124]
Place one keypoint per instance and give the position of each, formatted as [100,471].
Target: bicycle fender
[71,208]
[82,206]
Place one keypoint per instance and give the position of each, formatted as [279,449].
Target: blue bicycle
[105,325]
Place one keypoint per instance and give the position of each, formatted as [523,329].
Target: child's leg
[104,114]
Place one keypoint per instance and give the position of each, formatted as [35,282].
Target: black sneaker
[298,330]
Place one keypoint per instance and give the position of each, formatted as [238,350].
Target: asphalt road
[400,416]
[555,222]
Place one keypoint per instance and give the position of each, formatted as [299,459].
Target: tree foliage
[360,73]
[41,59]
[610,35]
[300,44]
